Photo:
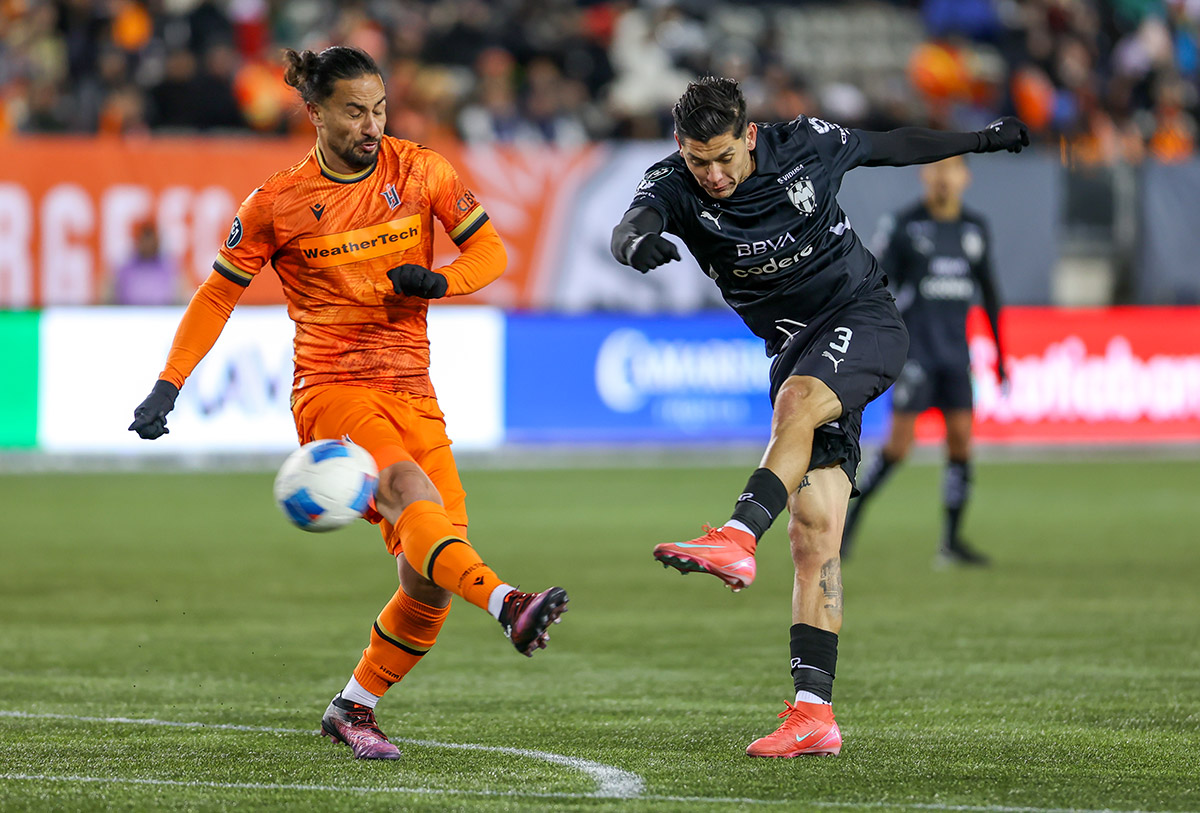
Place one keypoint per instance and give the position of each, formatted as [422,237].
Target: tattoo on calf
[831,584]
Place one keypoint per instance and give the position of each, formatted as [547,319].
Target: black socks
[763,499]
[874,476]
[814,660]
[956,489]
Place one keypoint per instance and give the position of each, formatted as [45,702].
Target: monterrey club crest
[803,196]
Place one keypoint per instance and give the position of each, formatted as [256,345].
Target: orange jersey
[332,239]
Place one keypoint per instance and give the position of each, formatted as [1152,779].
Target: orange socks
[438,551]
[403,633]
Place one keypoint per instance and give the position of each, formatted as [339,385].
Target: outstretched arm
[199,328]
[637,240]
[919,145]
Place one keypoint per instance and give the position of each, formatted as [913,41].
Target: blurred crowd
[1108,80]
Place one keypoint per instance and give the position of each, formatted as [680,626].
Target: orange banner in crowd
[68,208]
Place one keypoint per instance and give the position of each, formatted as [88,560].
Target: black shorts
[858,351]
[923,384]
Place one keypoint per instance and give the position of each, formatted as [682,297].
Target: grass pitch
[1065,677]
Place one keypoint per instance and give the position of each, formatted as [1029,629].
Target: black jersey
[936,269]
[780,248]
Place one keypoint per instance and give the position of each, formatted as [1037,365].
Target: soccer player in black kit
[756,207]
[936,254]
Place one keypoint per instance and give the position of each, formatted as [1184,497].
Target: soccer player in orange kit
[349,231]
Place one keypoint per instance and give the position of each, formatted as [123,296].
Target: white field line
[612,783]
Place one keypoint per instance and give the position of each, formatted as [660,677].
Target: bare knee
[403,483]
[807,400]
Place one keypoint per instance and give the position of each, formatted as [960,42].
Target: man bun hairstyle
[313,74]
[710,107]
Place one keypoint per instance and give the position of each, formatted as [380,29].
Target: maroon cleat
[355,725]
[526,617]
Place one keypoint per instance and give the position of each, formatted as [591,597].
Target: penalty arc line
[612,783]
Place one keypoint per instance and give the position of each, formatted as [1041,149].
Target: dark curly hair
[313,74]
[710,107]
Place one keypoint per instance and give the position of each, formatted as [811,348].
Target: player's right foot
[526,617]
[808,730]
[726,553]
[960,553]
[355,725]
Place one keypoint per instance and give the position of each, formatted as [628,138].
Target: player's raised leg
[802,404]
[956,491]
[818,511]
[438,550]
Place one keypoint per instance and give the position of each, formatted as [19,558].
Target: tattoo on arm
[831,584]
[803,483]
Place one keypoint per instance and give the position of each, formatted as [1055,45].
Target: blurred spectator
[189,98]
[149,277]
[1111,80]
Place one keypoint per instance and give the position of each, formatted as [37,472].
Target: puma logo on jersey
[829,356]
[318,210]
[841,227]
[716,219]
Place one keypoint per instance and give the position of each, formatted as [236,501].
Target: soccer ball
[326,484]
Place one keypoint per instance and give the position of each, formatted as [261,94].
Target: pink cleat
[526,617]
[808,730]
[355,725]
[726,553]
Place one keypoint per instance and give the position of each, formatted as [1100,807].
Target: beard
[358,159]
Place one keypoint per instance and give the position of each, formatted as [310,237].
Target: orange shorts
[392,427]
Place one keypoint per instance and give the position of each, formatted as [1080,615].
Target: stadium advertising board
[96,364]
[71,377]
[1107,375]
[618,378]
[18,379]
[68,207]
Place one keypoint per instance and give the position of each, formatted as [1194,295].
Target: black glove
[416,280]
[150,417]
[1008,133]
[650,251]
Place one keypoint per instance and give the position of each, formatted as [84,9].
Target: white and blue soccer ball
[326,484]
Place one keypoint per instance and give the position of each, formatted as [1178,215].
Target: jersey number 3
[845,334]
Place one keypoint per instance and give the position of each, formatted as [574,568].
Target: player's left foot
[808,730]
[526,617]
[726,553]
[355,725]
[960,553]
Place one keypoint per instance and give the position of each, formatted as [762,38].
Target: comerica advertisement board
[71,377]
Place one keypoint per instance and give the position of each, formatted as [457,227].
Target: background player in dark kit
[936,254]
[756,206]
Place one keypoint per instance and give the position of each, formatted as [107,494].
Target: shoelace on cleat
[363,717]
[790,710]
